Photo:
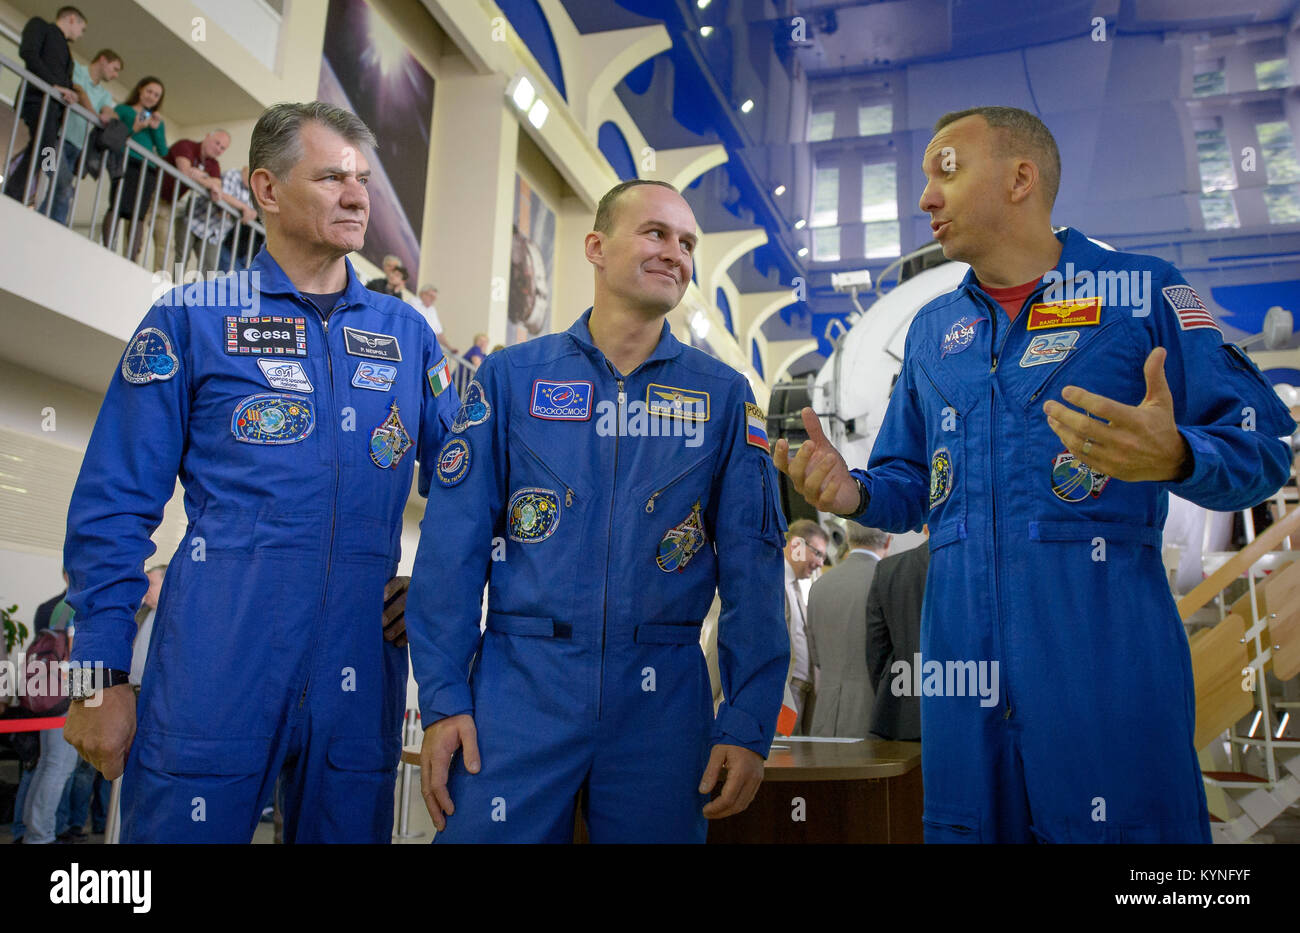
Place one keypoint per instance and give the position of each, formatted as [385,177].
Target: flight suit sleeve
[463,515]
[897,476]
[1226,410]
[753,645]
[127,477]
[439,407]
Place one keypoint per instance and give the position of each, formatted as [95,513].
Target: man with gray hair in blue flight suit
[604,482]
[1045,410]
[294,422]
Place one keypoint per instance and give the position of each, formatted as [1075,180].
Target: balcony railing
[41,183]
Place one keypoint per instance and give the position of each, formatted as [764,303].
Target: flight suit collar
[667,348]
[274,281]
[1078,254]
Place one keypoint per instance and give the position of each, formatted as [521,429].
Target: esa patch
[453,461]
[755,426]
[272,419]
[474,408]
[266,336]
[960,335]
[285,374]
[940,476]
[1049,348]
[1084,312]
[149,358]
[672,402]
[372,346]
[681,542]
[376,376]
[561,401]
[1191,311]
[533,514]
[1074,481]
[389,440]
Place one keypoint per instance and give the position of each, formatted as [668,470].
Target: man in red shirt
[197,161]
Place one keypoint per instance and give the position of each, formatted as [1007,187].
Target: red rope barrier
[32,725]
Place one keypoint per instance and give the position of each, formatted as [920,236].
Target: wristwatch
[84,681]
[863,498]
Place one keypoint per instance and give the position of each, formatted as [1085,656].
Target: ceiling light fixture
[780,190]
[747,106]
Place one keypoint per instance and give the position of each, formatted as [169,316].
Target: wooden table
[868,791]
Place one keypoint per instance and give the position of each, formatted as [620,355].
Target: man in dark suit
[44,50]
[894,634]
[837,637]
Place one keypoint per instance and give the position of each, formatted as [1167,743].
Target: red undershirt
[1011,299]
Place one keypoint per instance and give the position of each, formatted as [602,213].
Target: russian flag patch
[755,426]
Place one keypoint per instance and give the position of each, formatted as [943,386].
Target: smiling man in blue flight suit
[292,403]
[1056,682]
[604,482]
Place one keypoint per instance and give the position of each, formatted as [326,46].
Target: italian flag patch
[439,378]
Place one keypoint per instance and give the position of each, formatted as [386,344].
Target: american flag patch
[1191,310]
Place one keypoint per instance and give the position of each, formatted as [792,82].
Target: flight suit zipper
[568,492]
[609,542]
[993,502]
[334,499]
[650,503]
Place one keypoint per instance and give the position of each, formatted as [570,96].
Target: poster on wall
[366,68]
[532,265]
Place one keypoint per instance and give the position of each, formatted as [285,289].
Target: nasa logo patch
[940,476]
[272,419]
[149,358]
[453,461]
[960,335]
[474,409]
[561,401]
[681,542]
[533,514]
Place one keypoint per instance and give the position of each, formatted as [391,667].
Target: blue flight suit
[295,440]
[1052,569]
[602,546]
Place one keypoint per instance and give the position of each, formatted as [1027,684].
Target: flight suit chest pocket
[1105,360]
[680,495]
[541,495]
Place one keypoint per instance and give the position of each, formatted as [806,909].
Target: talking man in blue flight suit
[604,482]
[292,402]
[1044,411]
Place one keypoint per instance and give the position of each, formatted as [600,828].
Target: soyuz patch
[681,542]
[532,514]
[474,408]
[1084,312]
[272,419]
[940,476]
[1049,348]
[561,401]
[389,440]
[376,376]
[149,358]
[960,335]
[271,335]
[453,461]
[673,402]
[1074,481]
[371,345]
[285,374]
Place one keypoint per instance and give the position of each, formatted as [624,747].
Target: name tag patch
[561,401]
[376,376]
[674,402]
[285,374]
[266,336]
[272,419]
[1081,313]
[1049,348]
[372,346]
[149,358]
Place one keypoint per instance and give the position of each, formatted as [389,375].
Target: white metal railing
[232,227]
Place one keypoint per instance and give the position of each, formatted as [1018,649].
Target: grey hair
[862,536]
[277,137]
[1020,134]
[426,287]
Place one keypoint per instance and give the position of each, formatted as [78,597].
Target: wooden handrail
[1216,582]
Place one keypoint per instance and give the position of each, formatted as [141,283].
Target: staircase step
[1235,776]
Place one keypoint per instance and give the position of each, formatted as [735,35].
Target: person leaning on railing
[140,113]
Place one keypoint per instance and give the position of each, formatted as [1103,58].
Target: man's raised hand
[818,471]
